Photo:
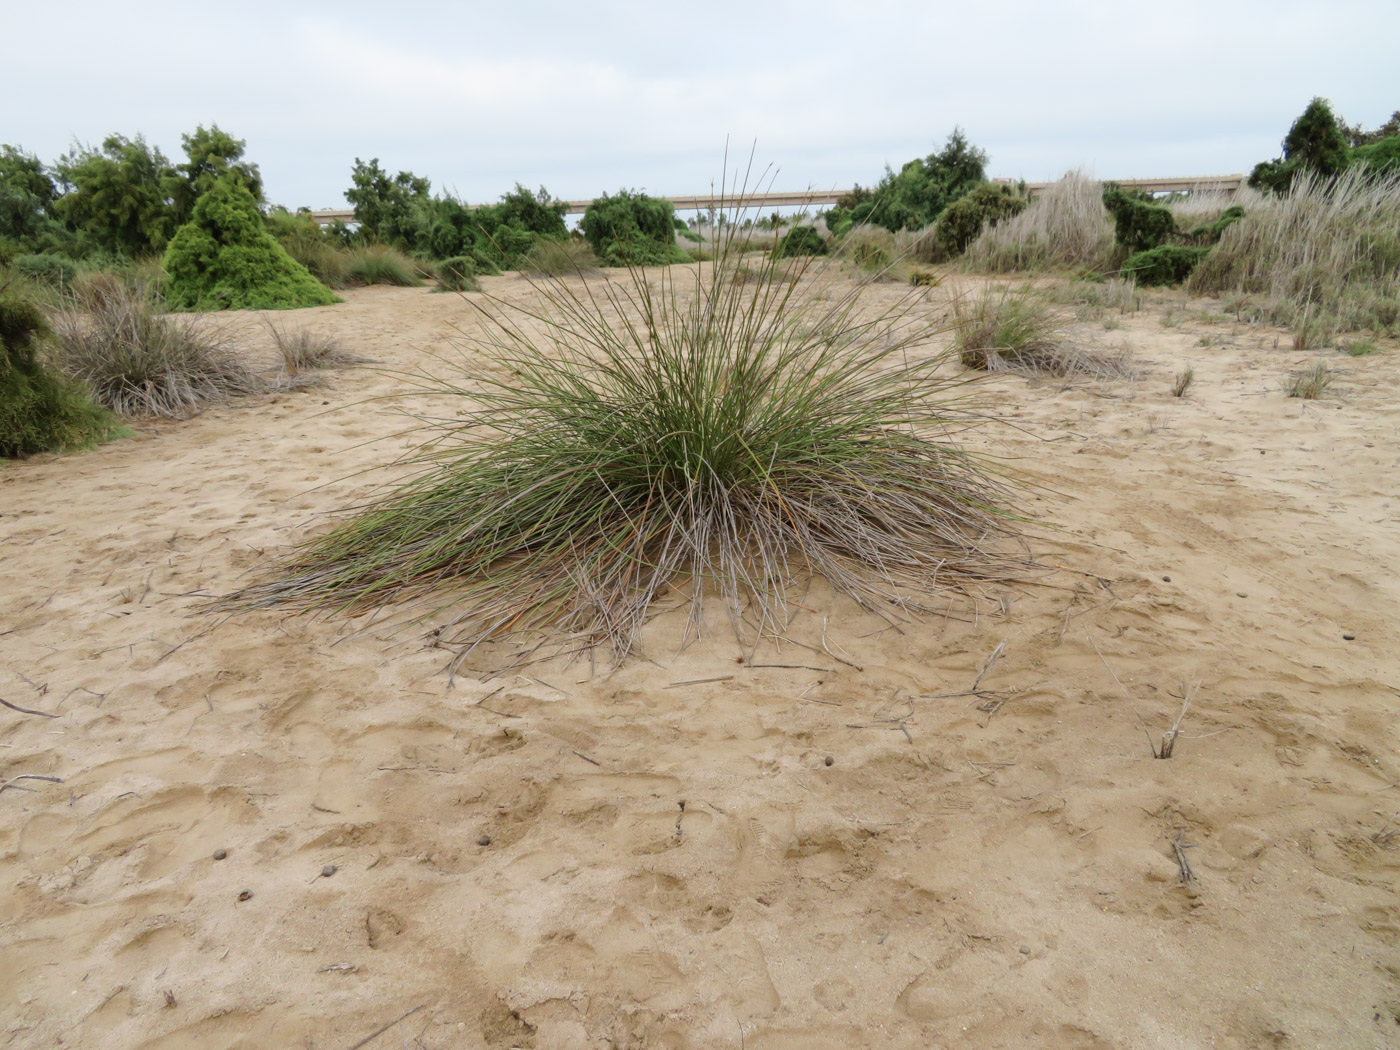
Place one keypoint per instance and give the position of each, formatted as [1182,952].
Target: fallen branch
[27,710]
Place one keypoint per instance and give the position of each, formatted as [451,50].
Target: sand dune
[584,857]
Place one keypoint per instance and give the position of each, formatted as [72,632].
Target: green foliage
[40,409]
[571,257]
[225,259]
[210,155]
[1315,143]
[384,206]
[801,240]
[27,197]
[120,195]
[458,275]
[964,219]
[320,250]
[1165,264]
[1138,224]
[1210,232]
[1381,157]
[915,196]
[632,229]
[55,271]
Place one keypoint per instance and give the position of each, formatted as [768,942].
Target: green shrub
[964,219]
[376,264]
[40,409]
[1210,232]
[802,240]
[458,275]
[1314,144]
[1381,157]
[224,259]
[916,195]
[1165,264]
[729,440]
[871,248]
[139,361]
[632,229]
[52,270]
[1138,224]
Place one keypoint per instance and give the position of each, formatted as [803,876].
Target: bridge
[1227,184]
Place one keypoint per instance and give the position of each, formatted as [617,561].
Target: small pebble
[1024,950]
[1241,594]
[485,840]
[1349,637]
[828,760]
[245,895]
[1166,579]
[328,871]
[220,854]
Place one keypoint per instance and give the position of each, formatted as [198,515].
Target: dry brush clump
[1065,225]
[1015,330]
[302,351]
[1327,251]
[654,440]
[138,361]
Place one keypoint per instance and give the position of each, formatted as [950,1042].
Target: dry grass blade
[681,435]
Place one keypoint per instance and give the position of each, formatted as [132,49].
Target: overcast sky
[595,96]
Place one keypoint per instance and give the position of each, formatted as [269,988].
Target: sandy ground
[819,856]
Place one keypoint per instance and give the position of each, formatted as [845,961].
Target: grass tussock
[643,443]
[873,252]
[1004,330]
[1182,383]
[377,264]
[1327,251]
[556,258]
[138,361]
[304,351]
[1310,383]
[1065,226]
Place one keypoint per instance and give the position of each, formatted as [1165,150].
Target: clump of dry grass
[1003,330]
[139,361]
[669,436]
[304,351]
[555,258]
[1310,383]
[1329,249]
[873,251]
[1066,225]
[1182,382]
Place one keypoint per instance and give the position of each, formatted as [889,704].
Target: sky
[588,98]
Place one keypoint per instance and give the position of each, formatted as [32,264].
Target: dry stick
[380,1031]
[594,761]
[1169,737]
[1187,875]
[826,649]
[700,681]
[27,710]
[28,776]
[797,667]
[996,655]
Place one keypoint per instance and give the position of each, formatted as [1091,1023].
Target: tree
[224,258]
[120,195]
[384,206]
[1314,143]
[632,229]
[27,196]
[915,196]
[211,154]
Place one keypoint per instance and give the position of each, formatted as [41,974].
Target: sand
[816,856]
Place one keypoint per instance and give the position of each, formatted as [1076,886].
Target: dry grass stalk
[1066,225]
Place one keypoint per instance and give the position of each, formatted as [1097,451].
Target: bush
[872,249]
[52,270]
[1138,224]
[802,240]
[756,435]
[40,409]
[1065,225]
[1209,232]
[1380,158]
[915,196]
[458,275]
[632,229]
[138,361]
[224,259]
[1314,145]
[964,219]
[377,264]
[555,258]
[1166,264]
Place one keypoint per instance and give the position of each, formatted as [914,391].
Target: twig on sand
[1169,737]
[26,710]
[380,1031]
[1188,877]
[827,649]
[27,776]
[593,761]
[996,655]
[700,681]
